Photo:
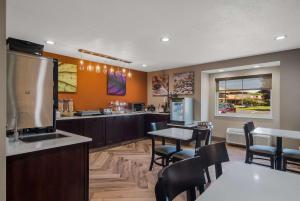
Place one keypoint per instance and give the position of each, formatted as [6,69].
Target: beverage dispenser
[182,111]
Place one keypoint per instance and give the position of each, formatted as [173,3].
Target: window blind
[256,82]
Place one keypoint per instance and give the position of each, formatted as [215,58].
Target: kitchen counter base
[56,174]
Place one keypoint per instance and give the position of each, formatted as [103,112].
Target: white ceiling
[201,31]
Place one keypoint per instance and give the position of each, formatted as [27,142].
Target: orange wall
[92,87]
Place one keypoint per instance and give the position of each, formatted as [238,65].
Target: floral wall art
[160,85]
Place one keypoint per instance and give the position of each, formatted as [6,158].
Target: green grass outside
[256,108]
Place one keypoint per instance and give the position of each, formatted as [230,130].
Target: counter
[53,170]
[111,129]
[110,115]
[20,147]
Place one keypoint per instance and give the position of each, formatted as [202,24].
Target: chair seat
[165,149]
[263,149]
[291,153]
[184,154]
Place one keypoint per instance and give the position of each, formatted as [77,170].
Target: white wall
[222,123]
[204,96]
[2,100]
[289,93]
[156,100]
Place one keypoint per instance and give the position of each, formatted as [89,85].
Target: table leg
[178,145]
[279,152]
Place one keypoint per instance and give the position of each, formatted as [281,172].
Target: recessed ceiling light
[221,70]
[49,42]
[256,66]
[280,37]
[165,39]
[144,65]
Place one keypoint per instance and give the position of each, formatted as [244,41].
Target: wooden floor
[121,173]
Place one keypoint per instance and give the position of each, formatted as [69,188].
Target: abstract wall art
[116,84]
[67,77]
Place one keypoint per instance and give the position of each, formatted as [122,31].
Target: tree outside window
[244,96]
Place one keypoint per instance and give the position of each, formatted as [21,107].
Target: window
[247,96]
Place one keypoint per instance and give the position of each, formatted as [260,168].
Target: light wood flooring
[122,173]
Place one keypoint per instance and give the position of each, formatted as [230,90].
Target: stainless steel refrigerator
[182,111]
[31,91]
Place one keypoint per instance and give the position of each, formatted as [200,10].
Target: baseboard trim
[92,150]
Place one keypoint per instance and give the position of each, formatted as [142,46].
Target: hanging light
[104,69]
[90,68]
[81,63]
[111,70]
[129,74]
[124,72]
[118,72]
[98,68]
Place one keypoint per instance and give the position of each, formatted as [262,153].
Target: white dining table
[279,134]
[245,182]
[178,134]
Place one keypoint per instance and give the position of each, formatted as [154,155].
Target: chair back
[251,126]
[155,126]
[207,125]
[214,154]
[158,125]
[248,127]
[202,137]
[179,177]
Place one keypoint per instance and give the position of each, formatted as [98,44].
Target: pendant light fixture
[111,70]
[118,72]
[81,63]
[129,74]
[90,68]
[117,69]
[124,72]
[104,69]
[98,68]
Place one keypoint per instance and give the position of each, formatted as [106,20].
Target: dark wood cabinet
[115,127]
[95,128]
[134,127]
[140,121]
[111,130]
[58,174]
[75,126]
[130,131]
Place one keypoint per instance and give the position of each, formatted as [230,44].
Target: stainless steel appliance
[138,107]
[31,95]
[182,111]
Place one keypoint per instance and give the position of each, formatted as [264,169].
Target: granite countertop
[20,147]
[110,115]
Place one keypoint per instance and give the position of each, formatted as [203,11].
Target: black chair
[163,151]
[260,150]
[183,176]
[290,156]
[201,137]
[214,154]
